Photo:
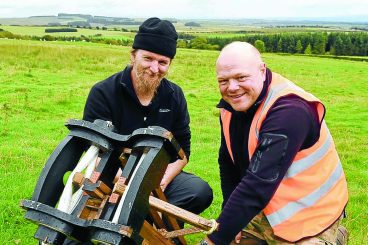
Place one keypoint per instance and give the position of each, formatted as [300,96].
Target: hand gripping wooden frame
[112,189]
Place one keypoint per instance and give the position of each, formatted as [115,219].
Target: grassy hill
[42,85]
[39,20]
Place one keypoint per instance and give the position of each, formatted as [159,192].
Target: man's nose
[154,66]
[233,84]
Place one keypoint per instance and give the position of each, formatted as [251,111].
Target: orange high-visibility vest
[313,192]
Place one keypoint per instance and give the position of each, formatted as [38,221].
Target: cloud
[187,8]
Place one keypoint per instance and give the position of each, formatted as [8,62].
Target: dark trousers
[189,192]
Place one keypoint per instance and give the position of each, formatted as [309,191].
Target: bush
[181,43]
[308,49]
[7,34]
[50,30]
[260,45]
[48,38]
[192,23]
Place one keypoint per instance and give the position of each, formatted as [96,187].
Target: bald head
[240,51]
[240,74]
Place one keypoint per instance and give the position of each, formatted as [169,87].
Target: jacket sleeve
[181,129]
[97,106]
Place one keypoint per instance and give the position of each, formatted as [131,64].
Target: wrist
[203,242]
[206,241]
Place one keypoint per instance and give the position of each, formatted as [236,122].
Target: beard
[147,82]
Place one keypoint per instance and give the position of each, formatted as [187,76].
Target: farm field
[208,30]
[43,84]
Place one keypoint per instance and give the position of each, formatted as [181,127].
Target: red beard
[147,83]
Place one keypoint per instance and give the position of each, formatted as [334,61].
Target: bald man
[281,177]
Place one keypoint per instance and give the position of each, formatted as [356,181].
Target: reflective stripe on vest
[314,182]
[225,119]
[308,161]
[293,207]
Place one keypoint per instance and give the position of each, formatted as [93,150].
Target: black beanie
[157,36]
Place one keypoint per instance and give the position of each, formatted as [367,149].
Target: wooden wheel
[110,206]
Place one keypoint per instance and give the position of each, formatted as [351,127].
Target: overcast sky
[184,9]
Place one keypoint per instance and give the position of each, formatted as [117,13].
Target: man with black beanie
[140,96]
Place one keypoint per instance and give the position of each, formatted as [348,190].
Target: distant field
[40,31]
[40,20]
[43,84]
[210,28]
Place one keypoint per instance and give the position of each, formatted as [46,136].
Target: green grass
[43,84]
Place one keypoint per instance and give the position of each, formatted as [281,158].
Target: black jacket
[114,99]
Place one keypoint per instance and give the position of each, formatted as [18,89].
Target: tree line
[333,43]
[317,43]
[50,30]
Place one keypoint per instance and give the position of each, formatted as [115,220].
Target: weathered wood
[172,221]
[180,213]
[177,233]
[157,220]
[98,196]
[78,179]
[152,236]
[124,156]
[103,204]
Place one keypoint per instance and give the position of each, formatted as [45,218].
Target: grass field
[207,29]
[43,84]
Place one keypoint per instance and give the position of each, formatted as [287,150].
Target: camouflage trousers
[259,232]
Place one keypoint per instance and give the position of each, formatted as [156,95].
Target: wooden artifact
[112,189]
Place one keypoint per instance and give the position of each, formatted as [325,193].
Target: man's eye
[222,82]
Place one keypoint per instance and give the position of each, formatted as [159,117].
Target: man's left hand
[172,170]
[206,241]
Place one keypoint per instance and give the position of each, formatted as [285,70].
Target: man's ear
[132,58]
[263,70]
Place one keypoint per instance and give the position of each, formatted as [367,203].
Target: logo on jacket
[164,110]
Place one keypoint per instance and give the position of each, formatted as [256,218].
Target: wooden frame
[114,200]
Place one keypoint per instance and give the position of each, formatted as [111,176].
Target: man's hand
[238,237]
[172,170]
[206,241]
[209,242]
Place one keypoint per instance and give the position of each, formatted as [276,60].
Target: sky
[188,9]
